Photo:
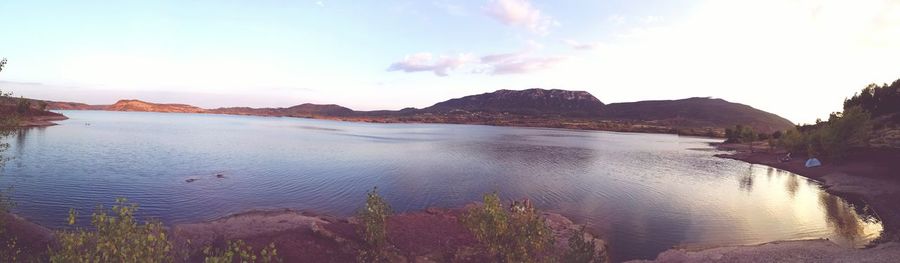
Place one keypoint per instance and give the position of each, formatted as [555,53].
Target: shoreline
[874,180]
[430,235]
[574,124]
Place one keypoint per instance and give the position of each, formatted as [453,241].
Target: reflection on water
[746,180]
[854,224]
[644,193]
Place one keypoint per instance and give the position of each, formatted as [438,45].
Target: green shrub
[582,250]
[238,251]
[22,106]
[117,238]
[518,234]
[373,228]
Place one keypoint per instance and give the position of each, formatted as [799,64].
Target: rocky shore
[433,235]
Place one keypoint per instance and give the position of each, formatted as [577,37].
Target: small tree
[518,234]
[373,227]
[748,135]
[582,250]
[2,64]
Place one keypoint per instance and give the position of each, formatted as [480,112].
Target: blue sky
[394,54]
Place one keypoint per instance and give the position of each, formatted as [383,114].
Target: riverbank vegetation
[869,119]
[873,113]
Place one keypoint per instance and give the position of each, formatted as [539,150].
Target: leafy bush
[373,228]
[582,250]
[518,234]
[241,252]
[117,238]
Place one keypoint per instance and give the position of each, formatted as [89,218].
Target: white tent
[813,162]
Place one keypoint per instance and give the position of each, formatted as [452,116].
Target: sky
[795,58]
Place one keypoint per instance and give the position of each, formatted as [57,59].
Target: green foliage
[582,250]
[877,100]
[238,251]
[2,64]
[740,133]
[845,130]
[518,234]
[833,138]
[117,238]
[373,228]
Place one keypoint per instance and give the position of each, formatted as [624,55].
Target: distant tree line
[877,100]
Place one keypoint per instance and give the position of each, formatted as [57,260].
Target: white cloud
[520,13]
[493,64]
[651,19]
[616,19]
[424,61]
[579,45]
[522,64]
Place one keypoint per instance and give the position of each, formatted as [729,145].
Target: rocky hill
[697,112]
[137,105]
[306,110]
[525,102]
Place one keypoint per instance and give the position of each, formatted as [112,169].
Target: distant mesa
[525,102]
[137,105]
[531,107]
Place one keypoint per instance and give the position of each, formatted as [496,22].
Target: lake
[643,193]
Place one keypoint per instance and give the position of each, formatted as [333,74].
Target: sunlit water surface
[644,193]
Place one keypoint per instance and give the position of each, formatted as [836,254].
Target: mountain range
[532,107]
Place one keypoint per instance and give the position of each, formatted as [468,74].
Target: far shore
[567,124]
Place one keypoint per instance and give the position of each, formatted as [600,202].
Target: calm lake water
[643,193]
